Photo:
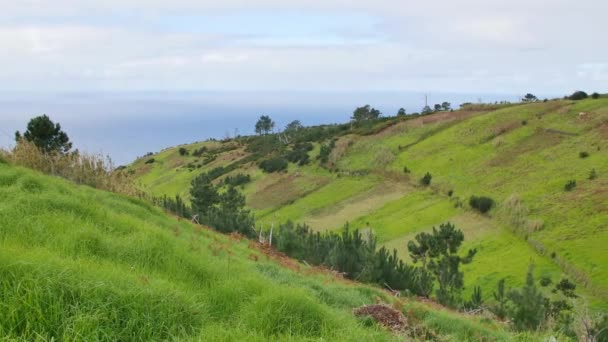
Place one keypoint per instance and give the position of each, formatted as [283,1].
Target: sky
[94,63]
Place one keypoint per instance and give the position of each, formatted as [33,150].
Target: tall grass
[94,170]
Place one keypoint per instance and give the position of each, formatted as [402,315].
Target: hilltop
[83,264]
[521,156]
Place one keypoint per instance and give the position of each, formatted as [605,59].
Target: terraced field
[520,155]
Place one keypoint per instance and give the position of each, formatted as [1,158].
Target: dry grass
[88,169]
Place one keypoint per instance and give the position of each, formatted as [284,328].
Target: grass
[529,151]
[82,264]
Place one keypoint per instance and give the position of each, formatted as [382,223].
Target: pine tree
[529,305]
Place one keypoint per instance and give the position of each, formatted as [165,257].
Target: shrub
[237,180]
[545,281]
[299,157]
[529,305]
[326,151]
[570,185]
[595,96]
[199,152]
[524,122]
[150,161]
[450,193]
[592,174]
[481,203]
[583,154]
[426,180]
[406,170]
[274,165]
[183,151]
[578,95]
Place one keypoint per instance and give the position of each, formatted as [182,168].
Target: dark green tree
[438,253]
[426,180]
[365,113]
[401,112]
[204,194]
[293,127]
[437,107]
[595,96]
[446,106]
[529,305]
[46,135]
[183,151]
[529,98]
[264,125]
[500,295]
[426,110]
[578,95]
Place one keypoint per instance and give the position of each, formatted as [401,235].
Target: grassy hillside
[519,155]
[82,264]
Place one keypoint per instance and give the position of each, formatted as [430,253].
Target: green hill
[83,264]
[521,156]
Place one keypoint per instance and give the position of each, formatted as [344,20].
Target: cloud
[356,45]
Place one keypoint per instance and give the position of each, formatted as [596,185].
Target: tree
[264,125]
[529,98]
[446,106]
[203,193]
[183,151]
[426,180]
[365,113]
[595,96]
[438,107]
[500,309]
[438,252]
[46,135]
[293,126]
[401,112]
[578,95]
[426,110]
[529,305]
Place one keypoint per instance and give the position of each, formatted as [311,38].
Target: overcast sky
[472,46]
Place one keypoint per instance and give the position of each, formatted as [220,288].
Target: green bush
[481,203]
[578,95]
[406,170]
[583,154]
[426,180]
[237,180]
[274,165]
[595,96]
[150,161]
[570,185]
[545,281]
[592,174]
[183,151]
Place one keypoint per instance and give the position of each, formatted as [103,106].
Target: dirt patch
[384,315]
[539,140]
[284,190]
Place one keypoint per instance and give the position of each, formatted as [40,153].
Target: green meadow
[519,155]
[82,264]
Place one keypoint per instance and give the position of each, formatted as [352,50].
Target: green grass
[82,264]
[529,151]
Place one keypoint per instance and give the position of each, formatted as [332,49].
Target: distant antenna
[426,100]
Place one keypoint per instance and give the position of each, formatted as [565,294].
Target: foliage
[446,106]
[545,281]
[150,161]
[46,135]
[476,299]
[566,287]
[500,296]
[365,113]
[325,151]
[237,180]
[438,253]
[299,154]
[276,164]
[578,95]
[595,96]
[583,154]
[199,152]
[529,98]
[406,170]
[481,203]
[264,125]
[529,305]
[353,254]
[426,110]
[570,185]
[426,179]
[183,151]
[592,174]
[401,112]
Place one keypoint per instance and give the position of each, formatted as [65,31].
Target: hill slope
[82,264]
[521,156]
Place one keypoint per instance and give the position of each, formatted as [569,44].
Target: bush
[150,161]
[199,152]
[592,174]
[237,180]
[406,170]
[578,95]
[274,165]
[570,185]
[481,203]
[595,96]
[583,154]
[326,151]
[426,180]
[183,151]
[299,157]
[545,281]
[524,122]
